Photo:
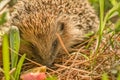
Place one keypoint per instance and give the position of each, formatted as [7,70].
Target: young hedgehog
[40,20]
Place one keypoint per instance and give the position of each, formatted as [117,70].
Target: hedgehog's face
[43,47]
[40,40]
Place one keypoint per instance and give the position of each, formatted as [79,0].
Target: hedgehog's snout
[46,59]
[46,55]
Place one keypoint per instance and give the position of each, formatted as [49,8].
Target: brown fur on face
[40,20]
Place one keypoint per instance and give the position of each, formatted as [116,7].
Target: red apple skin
[33,76]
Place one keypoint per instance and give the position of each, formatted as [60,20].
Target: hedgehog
[40,20]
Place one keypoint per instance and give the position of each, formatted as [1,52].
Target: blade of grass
[105,76]
[118,77]
[12,2]
[19,66]
[113,2]
[14,45]
[101,2]
[111,12]
[52,78]
[3,18]
[6,60]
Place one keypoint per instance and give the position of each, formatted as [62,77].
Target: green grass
[14,45]
[118,78]
[3,18]
[14,40]
[104,19]
[105,16]
[105,76]
[115,10]
[51,78]
[6,59]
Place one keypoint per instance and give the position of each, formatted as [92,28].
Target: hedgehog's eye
[62,25]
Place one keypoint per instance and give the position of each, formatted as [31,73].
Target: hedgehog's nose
[47,61]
